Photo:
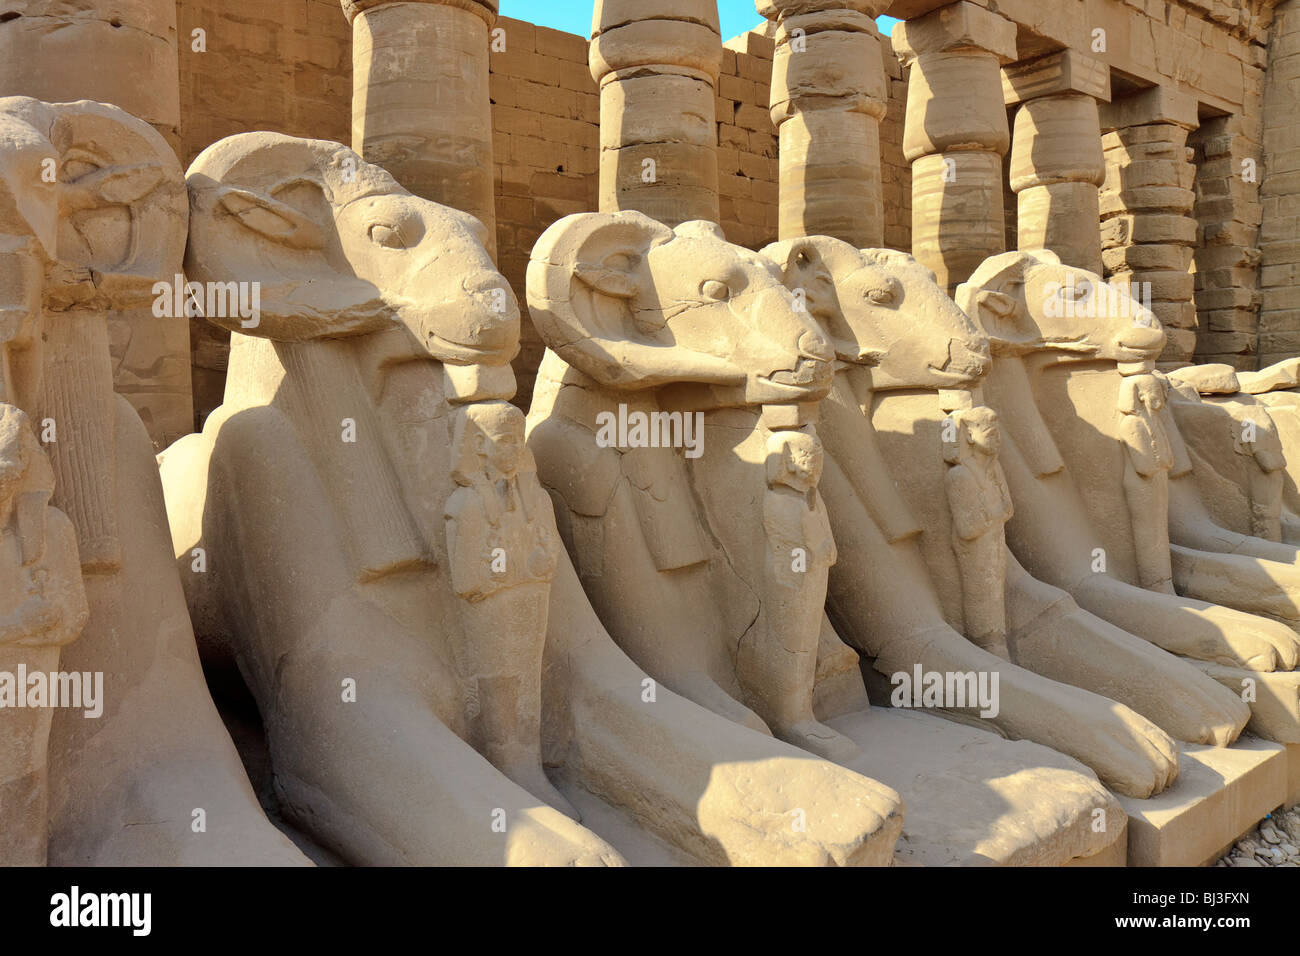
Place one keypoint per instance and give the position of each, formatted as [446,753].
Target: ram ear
[997,304]
[268,217]
[993,297]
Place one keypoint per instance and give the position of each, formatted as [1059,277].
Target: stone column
[828,97]
[420,102]
[1148,233]
[1056,159]
[124,54]
[657,63]
[956,134]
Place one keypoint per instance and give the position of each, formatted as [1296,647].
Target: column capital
[778,10]
[1066,71]
[1160,104]
[833,64]
[612,14]
[484,9]
[957,28]
[679,35]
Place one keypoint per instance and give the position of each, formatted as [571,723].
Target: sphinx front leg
[718,790]
[379,778]
[1129,753]
[1055,638]
[1191,628]
[1245,583]
[1191,526]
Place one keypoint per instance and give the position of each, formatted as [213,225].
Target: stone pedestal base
[1220,794]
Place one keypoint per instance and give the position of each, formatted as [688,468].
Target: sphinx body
[923,486]
[1237,443]
[1092,441]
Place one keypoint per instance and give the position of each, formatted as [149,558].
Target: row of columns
[421,109]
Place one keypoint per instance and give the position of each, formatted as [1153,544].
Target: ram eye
[713,289]
[387,236]
[881,296]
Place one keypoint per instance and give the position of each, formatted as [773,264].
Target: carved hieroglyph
[385,331]
[154,779]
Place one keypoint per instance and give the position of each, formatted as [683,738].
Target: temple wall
[290,70]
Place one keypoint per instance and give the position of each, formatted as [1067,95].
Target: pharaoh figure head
[977,432]
[489,442]
[794,460]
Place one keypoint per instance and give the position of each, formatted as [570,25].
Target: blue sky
[574,16]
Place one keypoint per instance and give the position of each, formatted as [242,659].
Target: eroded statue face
[1151,393]
[984,433]
[502,431]
[803,460]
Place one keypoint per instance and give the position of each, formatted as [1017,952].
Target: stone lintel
[486,9]
[957,27]
[1160,104]
[778,10]
[1067,71]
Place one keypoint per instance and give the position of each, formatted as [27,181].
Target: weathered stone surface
[1066,72]
[658,73]
[957,27]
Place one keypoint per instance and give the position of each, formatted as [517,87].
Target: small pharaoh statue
[1146,476]
[1255,436]
[980,504]
[42,607]
[777,665]
[503,550]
